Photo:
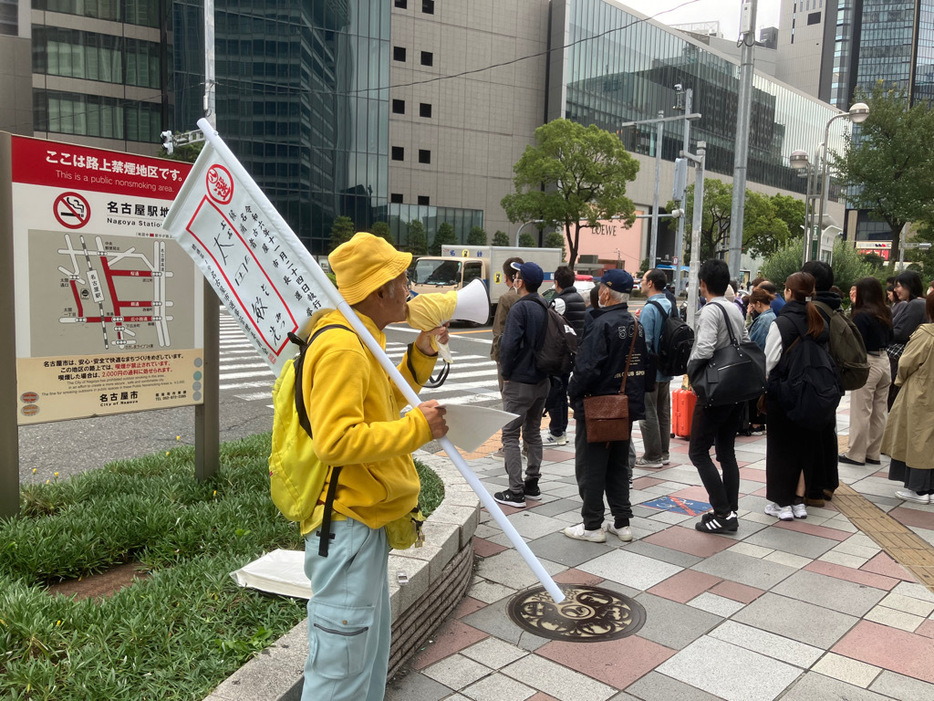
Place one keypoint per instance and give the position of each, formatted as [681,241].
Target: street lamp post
[858,114]
[519,230]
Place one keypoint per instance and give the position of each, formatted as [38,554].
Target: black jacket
[601,360]
[574,309]
[525,328]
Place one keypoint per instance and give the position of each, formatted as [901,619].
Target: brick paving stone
[885,565]
[576,576]
[690,541]
[467,606]
[847,670]
[850,574]
[811,529]
[617,663]
[452,637]
[485,548]
[737,592]
[898,686]
[557,680]
[684,586]
[895,650]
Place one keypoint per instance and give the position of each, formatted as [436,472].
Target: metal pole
[659,136]
[823,170]
[741,148]
[901,248]
[809,212]
[207,414]
[696,224]
[9,429]
[685,146]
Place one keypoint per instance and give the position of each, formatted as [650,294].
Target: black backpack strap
[300,409]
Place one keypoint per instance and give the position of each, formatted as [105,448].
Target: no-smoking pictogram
[71,210]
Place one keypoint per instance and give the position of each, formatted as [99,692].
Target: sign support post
[9,429]
[207,414]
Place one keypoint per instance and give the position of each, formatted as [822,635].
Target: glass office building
[302,100]
[618,67]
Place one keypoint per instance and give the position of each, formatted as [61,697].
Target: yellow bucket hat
[364,264]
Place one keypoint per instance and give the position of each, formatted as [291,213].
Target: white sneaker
[653,464]
[550,439]
[578,532]
[782,512]
[798,511]
[624,533]
[666,460]
[909,495]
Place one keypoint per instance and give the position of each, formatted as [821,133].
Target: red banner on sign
[56,164]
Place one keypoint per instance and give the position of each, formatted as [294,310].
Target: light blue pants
[349,618]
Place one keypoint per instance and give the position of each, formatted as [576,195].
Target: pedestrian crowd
[802,352]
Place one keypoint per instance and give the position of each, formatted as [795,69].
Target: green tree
[341,231]
[444,237]
[476,236]
[555,239]
[418,241]
[848,265]
[888,168]
[187,153]
[768,222]
[526,240]
[573,176]
[382,230]
[500,238]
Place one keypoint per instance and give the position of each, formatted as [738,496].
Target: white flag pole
[338,301]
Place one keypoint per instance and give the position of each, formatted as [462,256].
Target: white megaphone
[473,303]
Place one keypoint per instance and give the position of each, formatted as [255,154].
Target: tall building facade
[831,48]
[387,111]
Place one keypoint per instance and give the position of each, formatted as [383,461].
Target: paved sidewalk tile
[791,542]
[744,569]
[830,593]
[657,687]
[847,670]
[737,592]
[636,571]
[672,624]
[494,653]
[895,650]
[730,677]
[416,687]
[898,686]
[797,620]
[684,586]
[766,643]
[851,574]
[691,541]
[449,639]
[717,605]
[498,687]
[814,686]
[617,663]
[895,619]
[557,680]
[456,671]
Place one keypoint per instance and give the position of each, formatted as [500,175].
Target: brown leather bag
[606,416]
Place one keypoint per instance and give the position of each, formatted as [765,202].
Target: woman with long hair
[760,305]
[794,453]
[868,403]
[907,314]
[909,435]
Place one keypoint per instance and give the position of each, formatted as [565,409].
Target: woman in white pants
[868,404]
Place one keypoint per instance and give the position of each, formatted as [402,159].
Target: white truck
[458,266]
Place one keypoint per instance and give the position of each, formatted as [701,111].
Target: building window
[424,110]
[9,20]
[814,18]
[398,106]
[395,197]
[424,156]
[402,4]
[398,53]
[398,153]
[428,58]
[424,201]
[428,7]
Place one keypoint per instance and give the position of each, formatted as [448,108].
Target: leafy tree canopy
[382,230]
[476,236]
[418,240]
[444,237]
[848,265]
[526,240]
[555,239]
[584,171]
[500,239]
[341,231]
[768,222]
[888,165]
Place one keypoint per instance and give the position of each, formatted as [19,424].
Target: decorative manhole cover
[587,615]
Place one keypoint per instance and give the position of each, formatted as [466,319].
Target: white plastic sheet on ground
[279,572]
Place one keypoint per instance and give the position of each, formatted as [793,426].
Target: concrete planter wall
[437,578]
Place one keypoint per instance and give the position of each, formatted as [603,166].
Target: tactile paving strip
[905,547]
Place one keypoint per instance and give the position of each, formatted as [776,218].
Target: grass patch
[175,635]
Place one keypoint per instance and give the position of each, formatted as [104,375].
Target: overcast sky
[725,11]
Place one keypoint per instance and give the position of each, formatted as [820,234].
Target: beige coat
[909,434]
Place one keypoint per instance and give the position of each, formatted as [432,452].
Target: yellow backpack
[296,475]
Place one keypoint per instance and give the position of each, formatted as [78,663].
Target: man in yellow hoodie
[354,411]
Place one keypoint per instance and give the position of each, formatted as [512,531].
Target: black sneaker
[712,523]
[510,498]
[532,491]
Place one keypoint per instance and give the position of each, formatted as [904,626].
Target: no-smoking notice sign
[72,210]
[107,305]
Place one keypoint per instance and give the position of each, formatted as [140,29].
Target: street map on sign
[110,292]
